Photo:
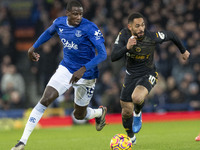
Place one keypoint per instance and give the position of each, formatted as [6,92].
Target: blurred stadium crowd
[22,82]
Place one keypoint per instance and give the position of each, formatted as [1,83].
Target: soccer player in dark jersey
[78,68]
[138,44]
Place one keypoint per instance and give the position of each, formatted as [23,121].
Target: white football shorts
[83,89]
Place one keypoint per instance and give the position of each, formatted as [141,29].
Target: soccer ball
[120,142]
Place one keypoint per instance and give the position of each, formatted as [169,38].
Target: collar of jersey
[68,24]
[140,38]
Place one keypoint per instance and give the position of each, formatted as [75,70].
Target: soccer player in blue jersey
[78,68]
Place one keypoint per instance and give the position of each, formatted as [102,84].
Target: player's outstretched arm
[33,55]
[101,56]
[171,36]
[45,36]
[186,55]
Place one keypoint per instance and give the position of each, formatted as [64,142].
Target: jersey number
[90,91]
[152,79]
[161,35]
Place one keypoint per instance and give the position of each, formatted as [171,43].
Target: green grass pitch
[179,135]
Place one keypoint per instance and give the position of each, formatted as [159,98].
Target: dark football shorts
[148,81]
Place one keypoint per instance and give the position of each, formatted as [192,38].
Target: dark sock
[127,123]
[138,107]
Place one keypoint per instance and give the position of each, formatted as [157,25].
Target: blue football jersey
[79,44]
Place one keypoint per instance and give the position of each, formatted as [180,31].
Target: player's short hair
[134,15]
[73,3]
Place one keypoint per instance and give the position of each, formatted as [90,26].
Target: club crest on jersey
[138,49]
[78,33]
[98,34]
[68,44]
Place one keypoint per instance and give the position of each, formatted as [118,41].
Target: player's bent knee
[49,95]
[137,99]
[47,100]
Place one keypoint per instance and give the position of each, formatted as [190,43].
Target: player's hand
[186,55]
[131,42]
[32,55]
[77,75]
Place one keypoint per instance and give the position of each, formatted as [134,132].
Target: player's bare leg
[127,119]
[138,97]
[79,112]
[50,94]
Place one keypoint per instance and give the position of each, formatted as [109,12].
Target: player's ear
[67,13]
[129,26]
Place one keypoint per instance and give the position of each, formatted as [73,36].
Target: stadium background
[22,82]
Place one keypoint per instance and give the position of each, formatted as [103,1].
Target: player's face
[137,27]
[75,16]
